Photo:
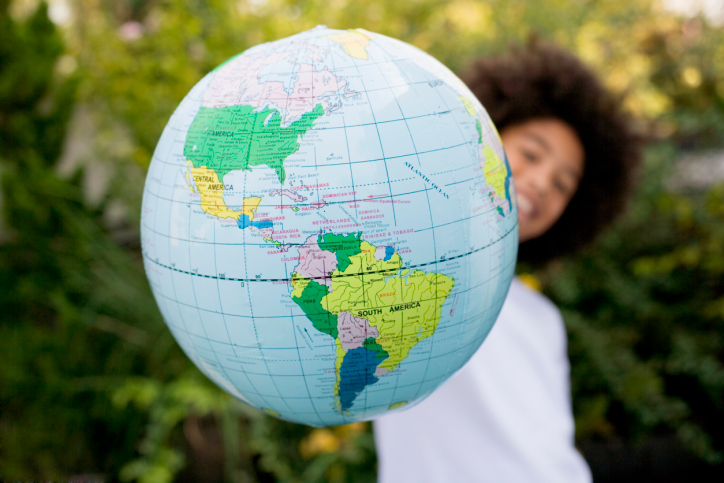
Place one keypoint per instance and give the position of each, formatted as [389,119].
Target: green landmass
[342,246]
[310,300]
[371,345]
[235,137]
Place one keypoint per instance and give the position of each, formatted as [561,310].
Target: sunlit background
[92,385]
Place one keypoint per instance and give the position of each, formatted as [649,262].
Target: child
[506,416]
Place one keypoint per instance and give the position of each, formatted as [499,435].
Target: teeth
[524,205]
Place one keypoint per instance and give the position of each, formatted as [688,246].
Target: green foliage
[91,379]
[77,314]
[168,405]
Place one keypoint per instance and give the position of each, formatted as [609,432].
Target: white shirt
[505,417]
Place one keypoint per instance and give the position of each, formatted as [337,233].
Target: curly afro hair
[544,81]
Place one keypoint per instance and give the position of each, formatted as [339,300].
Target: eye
[529,155]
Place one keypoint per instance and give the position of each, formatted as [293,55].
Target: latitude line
[279,317]
[483,213]
[373,272]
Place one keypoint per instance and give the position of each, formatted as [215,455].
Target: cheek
[557,206]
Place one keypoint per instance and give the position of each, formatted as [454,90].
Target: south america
[375,310]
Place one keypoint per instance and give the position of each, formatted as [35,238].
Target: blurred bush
[91,381]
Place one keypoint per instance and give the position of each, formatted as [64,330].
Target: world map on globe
[329,225]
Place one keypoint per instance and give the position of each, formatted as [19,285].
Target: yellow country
[468,105]
[338,364]
[495,171]
[211,192]
[249,207]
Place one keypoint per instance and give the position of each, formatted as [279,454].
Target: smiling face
[546,157]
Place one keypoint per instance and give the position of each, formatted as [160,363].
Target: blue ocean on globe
[329,226]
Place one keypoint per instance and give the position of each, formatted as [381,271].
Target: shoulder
[530,321]
[522,298]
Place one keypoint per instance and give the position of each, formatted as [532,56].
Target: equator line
[375,272]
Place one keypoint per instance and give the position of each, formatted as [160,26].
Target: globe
[329,226]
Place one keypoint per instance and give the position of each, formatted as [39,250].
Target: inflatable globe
[329,226]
